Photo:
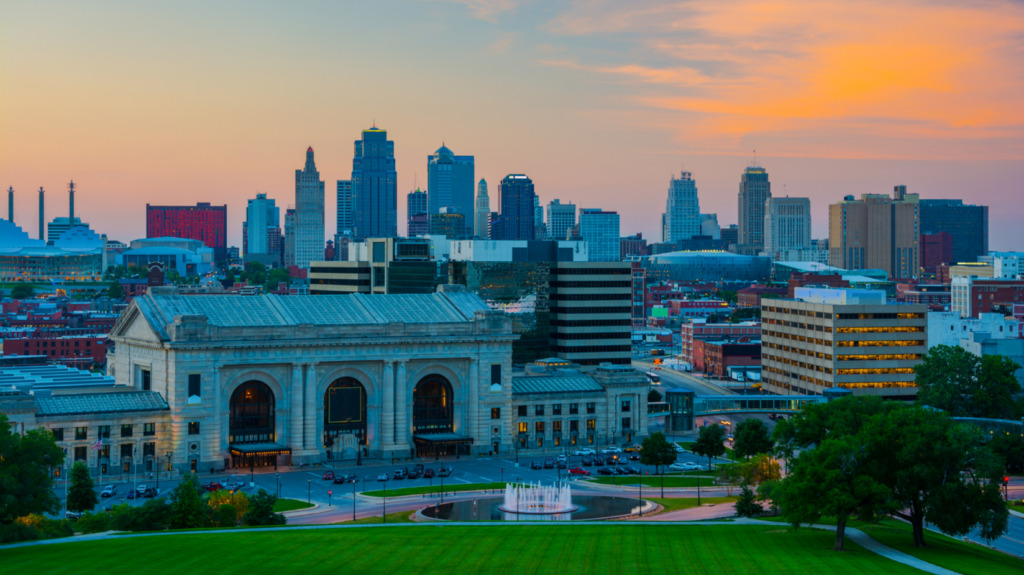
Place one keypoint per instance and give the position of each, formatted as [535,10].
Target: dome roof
[13,238]
[79,239]
[444,151]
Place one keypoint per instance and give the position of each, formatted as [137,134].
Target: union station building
[220,381]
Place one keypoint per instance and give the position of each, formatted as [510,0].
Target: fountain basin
[587,508]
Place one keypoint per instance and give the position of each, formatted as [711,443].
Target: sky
[599,102]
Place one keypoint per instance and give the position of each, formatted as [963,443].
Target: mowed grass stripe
[563,548]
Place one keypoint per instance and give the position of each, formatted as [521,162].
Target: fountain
[537,499]
[536,502]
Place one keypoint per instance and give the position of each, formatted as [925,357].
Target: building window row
[875,370]
[891,343]
[880,316]
[884,357]
[918,329]
[802,312]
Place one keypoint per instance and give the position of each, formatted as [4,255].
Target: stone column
[387,408]
[473,407]
[401,405]
[312,443]
[295,415]
[216,437]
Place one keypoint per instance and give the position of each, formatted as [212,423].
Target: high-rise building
[591,326]
[261,216]
[415,205]
[682,210]
[709,226]
[344,196]
[876,232]
[601,231]
[309,214]
[517,207]
[450,184]
[730,234]
[449,224]
[968,224]
[203,222]
[936,249]
[540,231]
[418,225]
[755,189]
[787,225]
[482,220]
[561,217]
[289,237]
[374,186]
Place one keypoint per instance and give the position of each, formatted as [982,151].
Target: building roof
[809,267]
[36,376]
[101,403]
[541,384]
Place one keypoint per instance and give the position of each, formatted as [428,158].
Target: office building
[966,224]
[309,214]
[787,225]
[699,328]
[631,246]
[416,207]
[972,295]
[561,217]
[845,338]
[682,209]
[706,266]
[540,231]
[600,229]
[709,226]
[416,203]
[936,249]
[482,218]
[876,232]
[755,189]
[289,237]
[730,234]
[344,208]
[203,222]
[450,185]
[449,224]
[948,328]
[374,186]
[518,251]
[418,225]
[378,266]
[591,326]
[517,214]
[261,216]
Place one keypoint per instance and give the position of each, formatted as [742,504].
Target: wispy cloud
[488,9]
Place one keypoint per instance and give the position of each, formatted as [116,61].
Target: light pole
[384,514]
[278,484]
[354,498]
[640,496]
[442,488]
[309,491]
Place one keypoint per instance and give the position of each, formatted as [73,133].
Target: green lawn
[688,445]
[652,481]
[678,503]
[436,488]
[283,505]
[400,517]
[563,549]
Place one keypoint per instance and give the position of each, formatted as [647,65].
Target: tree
[656,450]
[654,396]
[237,500]
[115,291]
[261,510]
[23,291]
[26,477]
[757,470]
[276,276]
[187,509]
[752,438]
[82,491]
[227,516]
[746,505]
[815,422]
[710,442]
[955,380]
[1009,447]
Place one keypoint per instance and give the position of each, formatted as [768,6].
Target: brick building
[972,295]
[78,350]
[817,280]
[700,329]
[751,296]
[714,356]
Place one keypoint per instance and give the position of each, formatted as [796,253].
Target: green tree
[815,422]
[752,438]
[965,385]
[26,476]
[710,442]
[261,510]
[82,491]
[256,273]
[187,508]
[728,296]
[939,471]
[654,396]
[747,505]
[756,470]
[23,291]
[656,450]
[276,276]
[227,516]
[834,479]
[115,291]
[1009,447]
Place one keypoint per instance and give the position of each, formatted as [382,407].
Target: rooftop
[541,384]
[101,403]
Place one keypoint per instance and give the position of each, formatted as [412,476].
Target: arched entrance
[252,423]
[345,419]
[433,417]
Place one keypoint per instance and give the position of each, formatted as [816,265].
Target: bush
[261,510]
[17,532]
[94,522]
[154,515]
[227,516]
[746,505]
[47,528]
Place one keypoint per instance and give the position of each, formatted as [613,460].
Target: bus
[655,378]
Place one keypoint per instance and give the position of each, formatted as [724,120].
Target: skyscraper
[262,216]
[709,226]
[416,205]
[876,232]
[561,217]
[517,207]
[481,223]
[968,224]
[540,232]
[450,184]
[755,189]
[344,222]
[374,187]
[682,210]
[289,237]
[787,225]
[309,214]
[203,222]
[601,231]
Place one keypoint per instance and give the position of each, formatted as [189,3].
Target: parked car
[633,448]
[562,465]
[599,460]
[579,471]
[108,491]
[428,474]
[612,449]
[584,451]
[549,463]
[419,468]
[339,479]
[72,514]
[445,471]
[231,485]
[632,470]
[141,489]
[400,474]
[682,466]
[536,465]
[587,462]
[382,477]
[562,458]
[328,476]
[634,457]
[605,471]
[413,474]
[212,486]
[151,492]
[620,471]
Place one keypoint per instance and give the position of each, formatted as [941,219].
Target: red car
[213,486]
[579,471]
[328,476]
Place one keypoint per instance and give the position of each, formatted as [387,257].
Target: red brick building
[75,350]
[203,222]
[715,356]
[699,329]
[936,249]
[751,296]
[822,280]
[984,295]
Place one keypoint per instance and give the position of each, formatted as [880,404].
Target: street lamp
[384,514]
[354,498]
[278,484]
[309,491]
[640,496]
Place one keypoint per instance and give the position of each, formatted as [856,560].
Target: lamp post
[640,496]
[442,488]
[384,514]
[278,484]
[309,491]
[354,498]
[170,454]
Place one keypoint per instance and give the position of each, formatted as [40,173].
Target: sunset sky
[600,102]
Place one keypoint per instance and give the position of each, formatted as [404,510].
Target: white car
[231,485]
[611,449]
[682,466]
[679,449]
[141,489]
[562,458]
[584,451]
[108,491]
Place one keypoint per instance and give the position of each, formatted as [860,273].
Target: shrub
[47,528]
[261,510]
[16,532]
[94,522]
[227,515]
[746,505]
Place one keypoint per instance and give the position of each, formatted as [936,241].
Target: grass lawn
[283,505]
[400,517]
[652,481]
[436,488]
[688,445]
[947,552]
[563,549]
[678,503]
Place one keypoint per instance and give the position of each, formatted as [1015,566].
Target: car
[562,458]
[549,463]
[620,471]
[605,471]
[212,486]
[579,471]
[339,479]
[632,470]
[679,449]
[779,418]
[612,449]
[681,466]
[231,485]
[587,462]
[599,460]
[445,471]
[428,474]
[72,514]
[108,491]
[382,477]
[419,468]
[772,416]
[584,451]
[131,495]
[151,492]
[562,465]
[328,476]
[730,437]
[413,474]
[634,457]
[398,474]
[141,489]
[633,448]
[536,465]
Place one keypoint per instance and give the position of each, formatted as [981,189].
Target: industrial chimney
[42,214]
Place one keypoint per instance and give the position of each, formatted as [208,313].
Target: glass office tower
[374,190]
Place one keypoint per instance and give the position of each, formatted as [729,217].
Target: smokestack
[10,204]
[42,213]
[71,193]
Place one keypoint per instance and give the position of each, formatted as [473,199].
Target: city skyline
[949,127]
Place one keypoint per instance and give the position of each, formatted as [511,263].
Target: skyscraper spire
[71,201]
[10,204]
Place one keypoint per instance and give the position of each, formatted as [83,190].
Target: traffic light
[1006,480]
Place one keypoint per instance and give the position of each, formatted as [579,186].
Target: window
[591,424]
[522,427]
[104,431]
[574,408]
[556,409]
[540,441]
[58,434]
[195,388]
[80,453]
[538,410]
[540,427]
[625,406]
[148,429]
[126,451]
[126,430]
[147,382]
[522,411]
[193,428]
[591,408]
[149,449]
[495,413]
[556,426]
[625,423]
[81,433]
[574,425]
